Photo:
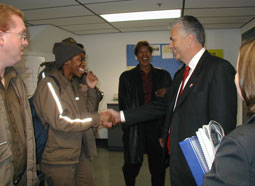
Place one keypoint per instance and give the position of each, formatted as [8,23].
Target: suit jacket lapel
[193,79]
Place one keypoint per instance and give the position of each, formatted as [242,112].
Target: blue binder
[195,158]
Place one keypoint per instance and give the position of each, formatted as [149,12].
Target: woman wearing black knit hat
[59,102]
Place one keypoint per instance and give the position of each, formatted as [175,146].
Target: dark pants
[180,173]
[80,174]
[155,155]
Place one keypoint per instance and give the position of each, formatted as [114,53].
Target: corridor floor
[107,170]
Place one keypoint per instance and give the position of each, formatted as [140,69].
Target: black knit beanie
[72,40]
[65,51]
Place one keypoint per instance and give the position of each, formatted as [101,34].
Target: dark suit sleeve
[154,110]
[230,167]
[223,97]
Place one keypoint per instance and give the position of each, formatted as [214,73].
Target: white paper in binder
[200,150]
[209,137]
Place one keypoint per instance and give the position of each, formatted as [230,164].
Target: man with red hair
[17,143]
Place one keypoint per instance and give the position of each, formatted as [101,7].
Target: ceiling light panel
[147,15]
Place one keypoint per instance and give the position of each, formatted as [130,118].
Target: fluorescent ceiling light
[148,15]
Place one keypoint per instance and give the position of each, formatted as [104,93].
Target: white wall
[42,39]
[106,53]
[107,56]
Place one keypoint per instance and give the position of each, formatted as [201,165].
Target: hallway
[108,169]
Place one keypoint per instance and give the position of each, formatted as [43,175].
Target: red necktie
[185,75]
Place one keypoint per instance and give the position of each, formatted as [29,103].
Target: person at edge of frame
[17,141]
[235,158]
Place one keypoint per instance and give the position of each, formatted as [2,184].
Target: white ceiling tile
[165,22]
[87,27]
[145,29]
[133,6]
[221,26]
[33,4]
[69,20]
[221,12]
[69,11]
[103,31]
[99,1]
[224,20]
[218,3]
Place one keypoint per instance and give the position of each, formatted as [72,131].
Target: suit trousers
[69,175]
[180,174]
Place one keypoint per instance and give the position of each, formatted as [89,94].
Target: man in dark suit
[209,93]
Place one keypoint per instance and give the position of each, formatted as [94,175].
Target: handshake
[109,118]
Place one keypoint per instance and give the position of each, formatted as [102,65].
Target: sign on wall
[216,52]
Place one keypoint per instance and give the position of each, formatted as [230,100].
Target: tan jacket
[6,167]
[62,113]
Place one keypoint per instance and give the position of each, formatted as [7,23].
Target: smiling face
[144,57]
[76,66]
[13,41]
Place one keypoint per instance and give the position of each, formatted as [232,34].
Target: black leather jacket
[131,95]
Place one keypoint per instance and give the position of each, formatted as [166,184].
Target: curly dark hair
[140,44]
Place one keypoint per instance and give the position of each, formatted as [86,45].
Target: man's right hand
[161,142]
[109,118]
[106,119]
[115,114]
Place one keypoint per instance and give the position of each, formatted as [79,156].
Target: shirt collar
[194,61]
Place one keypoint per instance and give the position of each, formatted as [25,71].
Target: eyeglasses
[23,36]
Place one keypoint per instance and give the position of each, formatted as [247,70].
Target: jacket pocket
[5,151]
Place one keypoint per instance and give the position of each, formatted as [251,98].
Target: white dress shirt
[192,65]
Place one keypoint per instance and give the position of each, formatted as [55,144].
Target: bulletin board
[162,57]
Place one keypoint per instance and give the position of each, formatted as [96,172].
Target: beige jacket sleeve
[60,110]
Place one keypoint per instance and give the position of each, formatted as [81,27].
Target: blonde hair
[246,71]
[6,11]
